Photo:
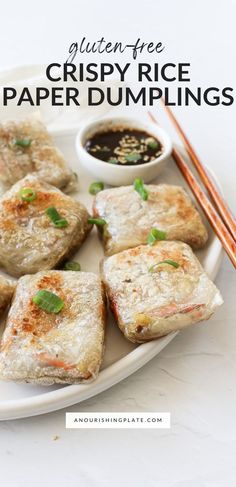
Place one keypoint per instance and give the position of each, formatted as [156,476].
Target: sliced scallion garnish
[58,221]
[139,187]
[133,157]
[155,235]
[61,223]
[97,221]
[72,266]
[23,142]
[113,160]
[48,301]
[152,143]
[166,261]
[94,188]
[27,194]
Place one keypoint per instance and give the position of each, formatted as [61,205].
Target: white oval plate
[122,358]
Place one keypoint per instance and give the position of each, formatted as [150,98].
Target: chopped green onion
[72,266]
[132,157]
[27,194]
[139,187]
[56,218]
[167,261]
[152,143]
[94,188]
[22,142]
[97,221]
[113,160]
[48,301]
[61,223]
[155,235]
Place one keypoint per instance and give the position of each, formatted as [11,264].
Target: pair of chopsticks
[223,223]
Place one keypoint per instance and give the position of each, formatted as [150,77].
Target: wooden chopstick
[217,199]
[214,219]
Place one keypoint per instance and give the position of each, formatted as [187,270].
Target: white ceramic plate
[122,358]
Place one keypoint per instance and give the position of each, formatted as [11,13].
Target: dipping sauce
[124,146]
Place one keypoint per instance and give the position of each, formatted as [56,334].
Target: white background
[194,377]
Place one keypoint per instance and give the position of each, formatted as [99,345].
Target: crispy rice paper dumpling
[29,240]
[47,348]
[27,147]
[130,219]
[6,292]
[151,299]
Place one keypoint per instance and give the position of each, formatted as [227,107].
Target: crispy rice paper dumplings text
[63,344]
[27,147]
[154,290]
[39,227]
[6,292]
[129,218]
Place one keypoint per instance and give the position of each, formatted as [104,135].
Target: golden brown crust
[29,240]
[130,219]
[40,157]
[149,300]
[66,347]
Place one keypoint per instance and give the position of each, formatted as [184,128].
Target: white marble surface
[194,377]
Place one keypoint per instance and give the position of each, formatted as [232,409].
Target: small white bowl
[119,175]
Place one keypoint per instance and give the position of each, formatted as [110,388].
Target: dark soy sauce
[124,146]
